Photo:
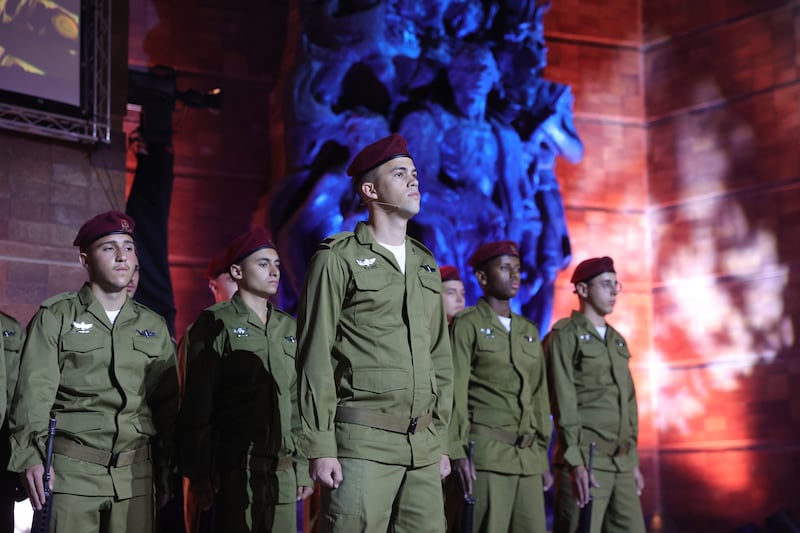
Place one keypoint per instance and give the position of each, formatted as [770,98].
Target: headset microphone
[393,206]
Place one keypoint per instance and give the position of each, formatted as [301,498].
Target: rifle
[585,519]
[41,518]
[468,506]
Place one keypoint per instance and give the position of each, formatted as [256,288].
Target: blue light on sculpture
[462,81]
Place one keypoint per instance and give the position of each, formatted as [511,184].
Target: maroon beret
[102,225]
[449,273]
[247,243]
[377,154]
[490,250]
[218,265]
[590,268]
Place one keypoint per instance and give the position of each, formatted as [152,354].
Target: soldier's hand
[304,492]
[637,475]
[444,466]
[579,477]
[203,491]
[547,480]
[465,471]
[33,481]
[326,470]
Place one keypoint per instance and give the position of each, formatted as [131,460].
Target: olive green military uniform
[500,402]
[239,419]
[12,336]
[594,400]
[375,381]
[113,391]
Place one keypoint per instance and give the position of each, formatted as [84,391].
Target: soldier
[452,291]
[374,360]
[220,282]
[133,284]
[104,365]
[500,401]
[238,417]
[594,400]
[12,336]
[222,287]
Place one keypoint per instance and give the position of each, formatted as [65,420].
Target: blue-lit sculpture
[462,81]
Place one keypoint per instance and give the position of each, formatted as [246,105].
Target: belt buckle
[412,426]
[520,441]
[113,460]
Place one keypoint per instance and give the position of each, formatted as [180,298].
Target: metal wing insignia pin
[290,338]
[8,333]
[488,332]
[82,327]
[366,262]
[428,268]
[240,332]
[146,333]
[586,337]
[528,338]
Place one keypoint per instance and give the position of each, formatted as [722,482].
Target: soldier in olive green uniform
[12,336]
[374,364]
[594,400]
[222,287]
[238,420]
[104,365]
[500,401]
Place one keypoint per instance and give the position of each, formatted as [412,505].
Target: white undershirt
[601,330]
[399,253]
[506,321]
[112,315]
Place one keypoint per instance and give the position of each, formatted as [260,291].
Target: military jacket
[12,335]
[592,394]
[111,387]
[373,338]
[500,382]
[240,395]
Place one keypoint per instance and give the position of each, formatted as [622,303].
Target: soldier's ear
[83,258]
[582,289]
[480,275]
[368,190]
[236,271]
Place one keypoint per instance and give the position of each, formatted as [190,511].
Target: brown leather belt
[80,452]
[506,437]
[268,464]
[612,449]
[374,419]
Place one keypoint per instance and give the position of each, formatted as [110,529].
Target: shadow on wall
[724,328]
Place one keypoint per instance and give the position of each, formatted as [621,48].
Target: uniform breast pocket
[132,363]
[532,347]
[376,302]
[247,358]
[83,361]
[431,292]
[12,341]
[594,365]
